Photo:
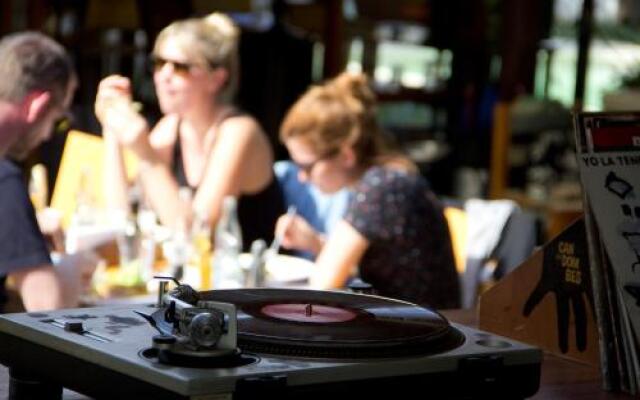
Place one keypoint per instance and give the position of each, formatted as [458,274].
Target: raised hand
[112,89]
[118,115]
[297,233]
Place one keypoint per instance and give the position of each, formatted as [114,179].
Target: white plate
[283,268]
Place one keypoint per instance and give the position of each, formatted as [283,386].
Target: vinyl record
[313,323]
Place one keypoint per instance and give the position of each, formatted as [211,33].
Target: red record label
[313,313]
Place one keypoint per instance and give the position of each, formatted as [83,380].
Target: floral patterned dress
[409,255]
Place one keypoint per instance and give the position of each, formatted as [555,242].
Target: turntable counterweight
[203,326]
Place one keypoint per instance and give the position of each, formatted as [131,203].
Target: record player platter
[270,343]
[335,324]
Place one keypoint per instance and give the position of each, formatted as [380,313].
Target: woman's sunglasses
[307,168]
[182,68]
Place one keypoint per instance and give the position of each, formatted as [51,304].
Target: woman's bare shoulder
[239,126]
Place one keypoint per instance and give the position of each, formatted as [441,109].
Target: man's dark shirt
[22,244]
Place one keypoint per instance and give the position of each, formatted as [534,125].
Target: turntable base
[109,358]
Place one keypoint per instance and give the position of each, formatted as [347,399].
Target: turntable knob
[163,341]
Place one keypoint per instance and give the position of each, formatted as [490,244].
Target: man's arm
[47,286]
[39,287]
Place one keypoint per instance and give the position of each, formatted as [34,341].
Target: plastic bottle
[228,244]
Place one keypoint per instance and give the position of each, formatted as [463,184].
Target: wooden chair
[457,222]
[80,174]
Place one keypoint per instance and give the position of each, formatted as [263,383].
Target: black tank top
[257,212]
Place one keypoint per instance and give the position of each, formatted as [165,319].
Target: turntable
[268,343]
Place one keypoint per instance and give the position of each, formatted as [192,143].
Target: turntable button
[74,326]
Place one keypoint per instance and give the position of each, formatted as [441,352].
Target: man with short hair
[37,81]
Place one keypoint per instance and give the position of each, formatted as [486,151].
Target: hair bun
[355,86]
[224,25]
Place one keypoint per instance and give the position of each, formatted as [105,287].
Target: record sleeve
[608,156]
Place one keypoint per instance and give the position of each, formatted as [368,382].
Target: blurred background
[480,93]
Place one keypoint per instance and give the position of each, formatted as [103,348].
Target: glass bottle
[147,224]
[201,240]
[177,249]
[228,244]
[127,241]
[84,213]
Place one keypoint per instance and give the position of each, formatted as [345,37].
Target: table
[561,378]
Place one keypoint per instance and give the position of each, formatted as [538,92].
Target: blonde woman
[393,230]
[202,141]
